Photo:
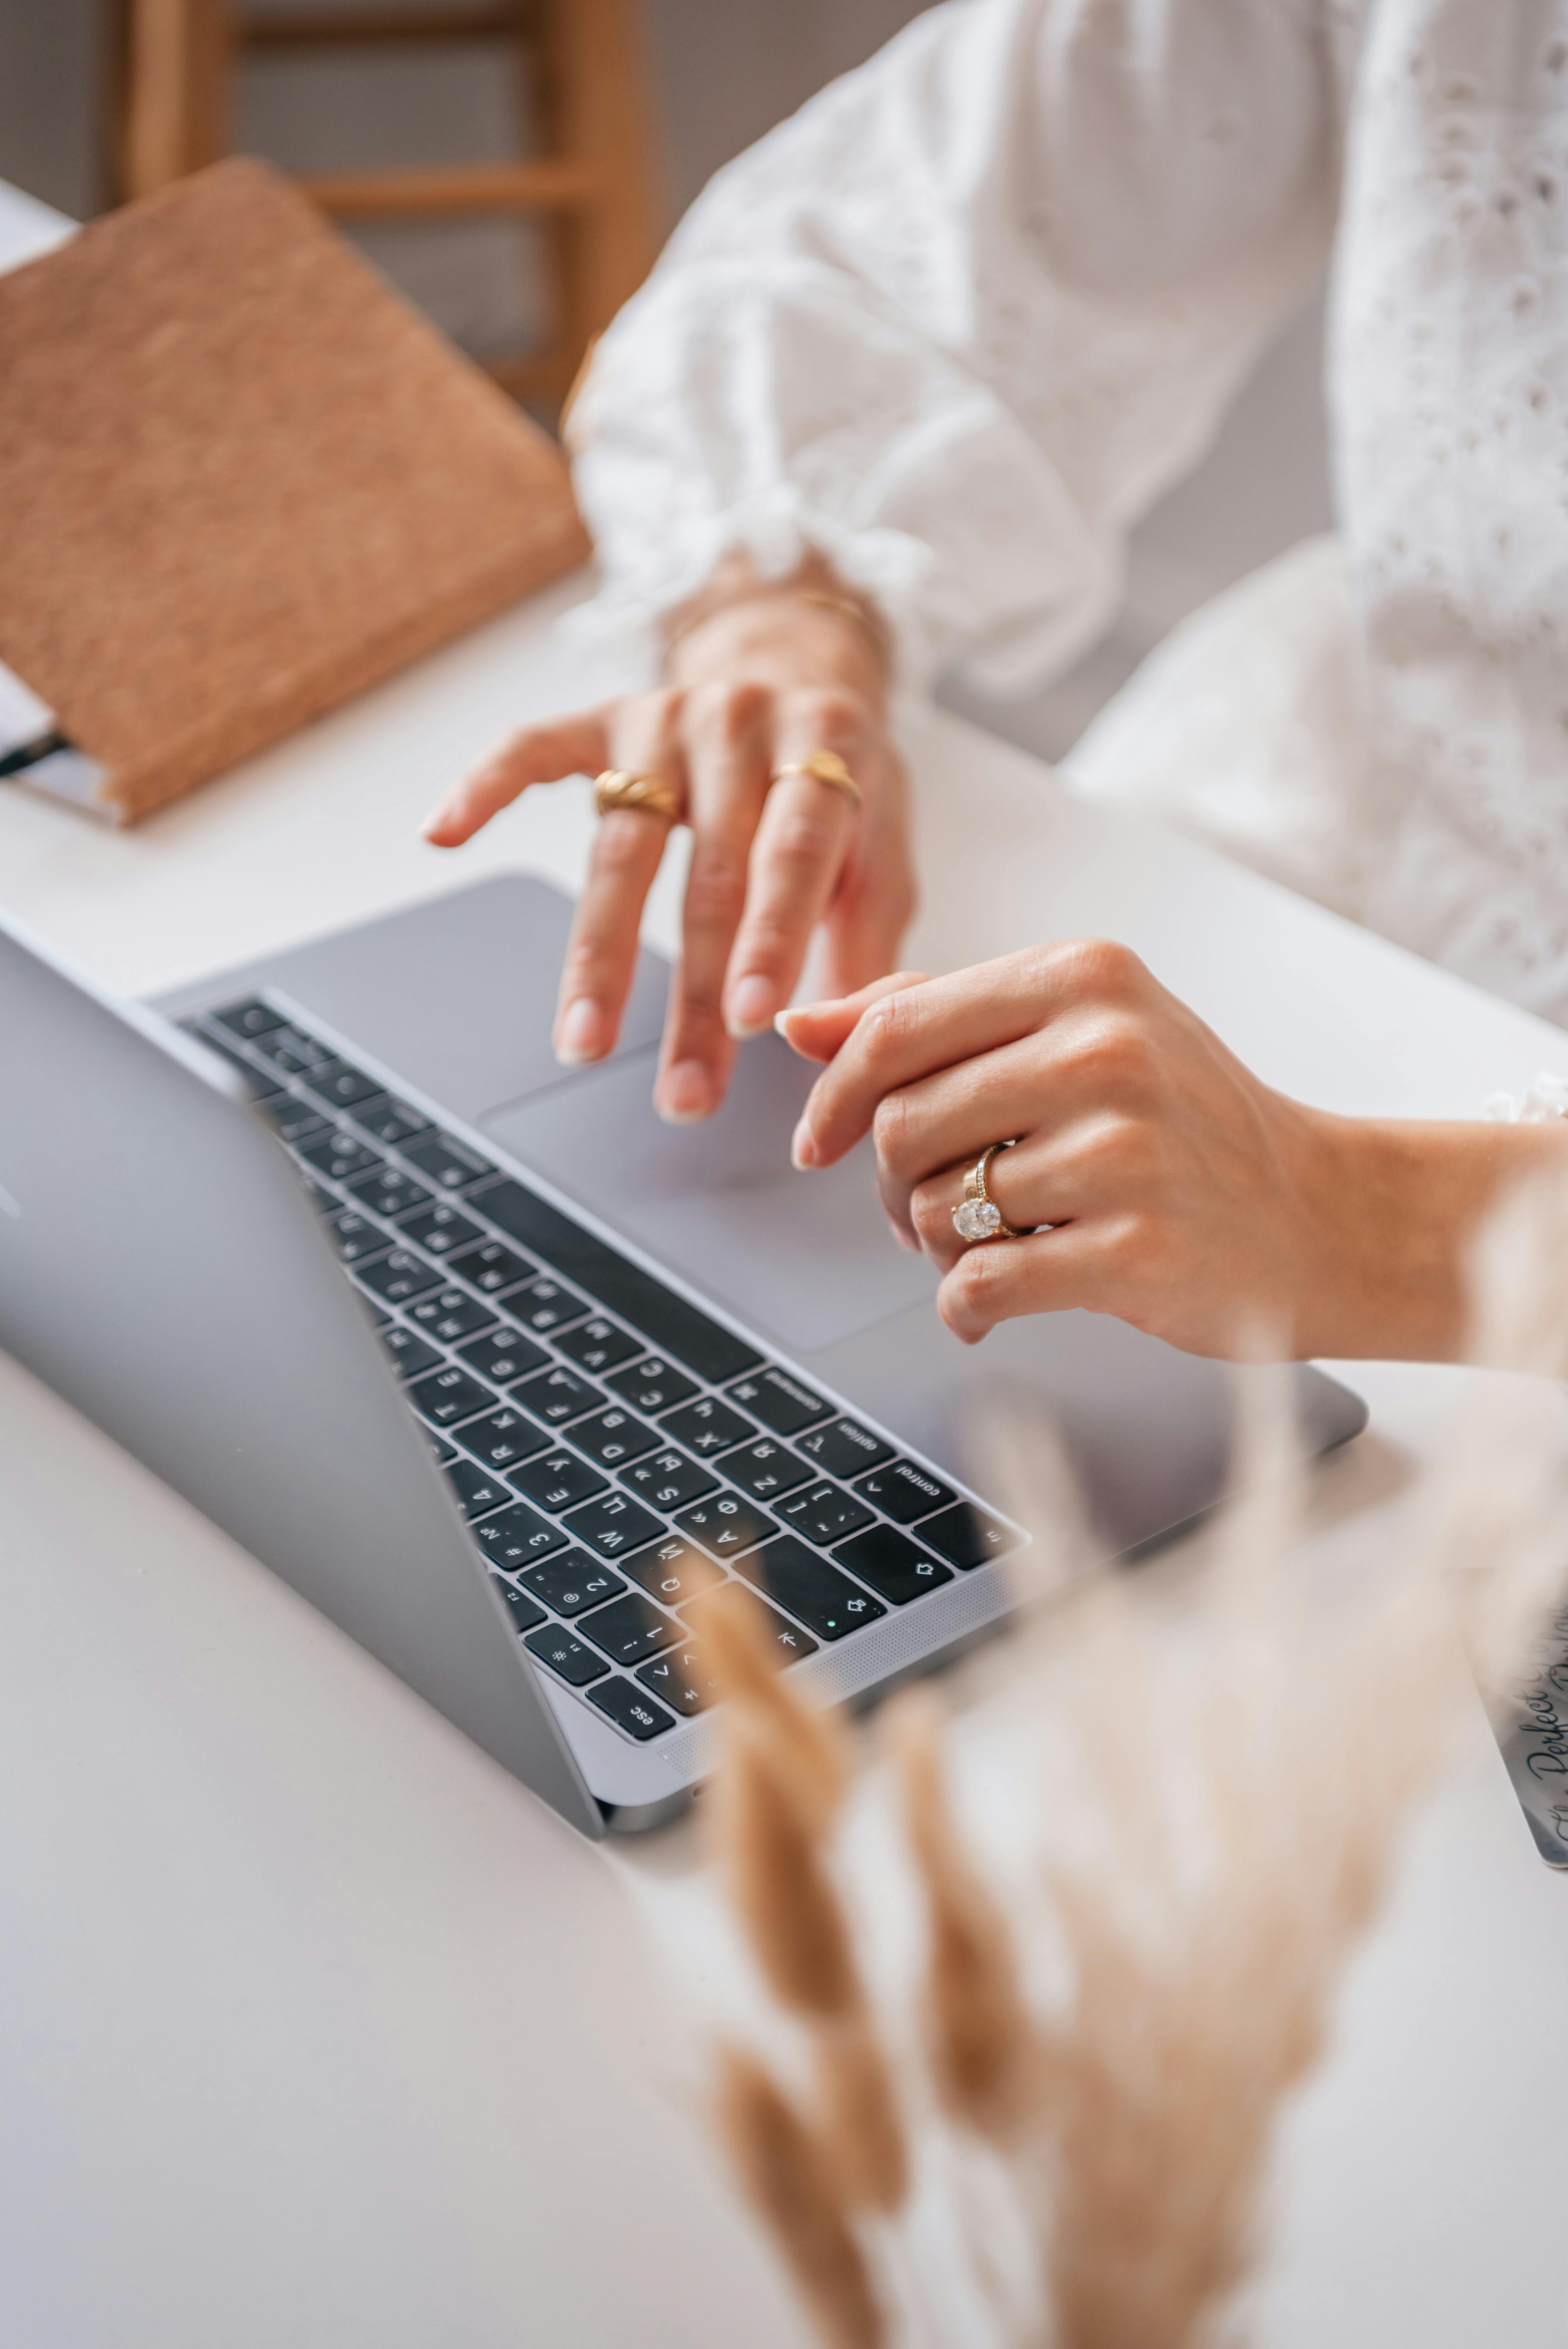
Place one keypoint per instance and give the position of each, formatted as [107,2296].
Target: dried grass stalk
[862,2127]
[982,2046]
[779,1883]
[792,2187]
[812,1744]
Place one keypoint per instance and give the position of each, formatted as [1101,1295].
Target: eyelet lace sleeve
[960,320]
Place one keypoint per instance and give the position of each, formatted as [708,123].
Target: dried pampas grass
[1229,1760]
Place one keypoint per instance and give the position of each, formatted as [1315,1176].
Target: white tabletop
[315,2027]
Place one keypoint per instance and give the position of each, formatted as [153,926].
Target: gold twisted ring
[977,1217]
[649,794]
[824,767]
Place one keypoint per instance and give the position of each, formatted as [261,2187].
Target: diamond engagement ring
[825,767]
[977,1217]
[648,794]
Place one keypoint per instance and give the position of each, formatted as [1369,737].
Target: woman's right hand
[760,680]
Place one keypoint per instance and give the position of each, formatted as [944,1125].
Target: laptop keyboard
[615,1451]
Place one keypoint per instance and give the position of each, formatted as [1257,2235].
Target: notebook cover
[241,479]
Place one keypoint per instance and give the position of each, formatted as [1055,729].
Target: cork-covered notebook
[240,480]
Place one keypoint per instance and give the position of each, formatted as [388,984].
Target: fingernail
[751,1006]
[781,1020]
[802,1146]
[431,825]
[579,1033]
[685,1094]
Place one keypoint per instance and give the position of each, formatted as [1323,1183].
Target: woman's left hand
[1181,1193]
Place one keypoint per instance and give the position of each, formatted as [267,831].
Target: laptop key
[614,1524]
[667,1480]
[387,1191]
[338,1155]
[969,1536]
[516,1537]
[411,1356]
[629,1629]
[788,1639]
[439,1447]
[567,1656]
[558,1481]
[653,1385]
[400,1276]
[448,1165]
[767,1468]
[390,1121]
[440,1230]
[825,1514]
[449,1395]
[249,1019]
[572,1581]
[294,1118]
[802,1581]
[544,1305]
[492,1269]
[476,1492]
[341,1085]
[290,1049]
[354,1238]
[707,1426]
[615,1437]
[725,1525]
[903,1492]
[559,1395]
[452,1315]
[672,1571]
[844,1449]
[892,1564]
[630,1710]
[682,1678]
[504,1356]
[778,1401]
[525,1612]
[265,1083]
[599,1345]
[502,1438]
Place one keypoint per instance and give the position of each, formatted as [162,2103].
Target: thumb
[819,1031]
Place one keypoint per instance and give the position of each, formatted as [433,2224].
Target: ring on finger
[648,794]
[824,767]
[977,1217]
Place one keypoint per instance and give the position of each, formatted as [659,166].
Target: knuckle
[715,889]
[724,712]
[620,844]
[800,845]
[890,1131]
[883,1030]
[1103,968]
[932,1217]
[835,713]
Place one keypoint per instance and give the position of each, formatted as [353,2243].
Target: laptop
[500,1371]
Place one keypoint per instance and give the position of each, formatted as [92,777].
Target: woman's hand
[760,676]
[1181,1194]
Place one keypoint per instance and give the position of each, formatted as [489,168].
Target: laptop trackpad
[805,1259]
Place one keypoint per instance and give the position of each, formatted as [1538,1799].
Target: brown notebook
[240,480]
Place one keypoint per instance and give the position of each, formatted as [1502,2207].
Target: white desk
[315,2028]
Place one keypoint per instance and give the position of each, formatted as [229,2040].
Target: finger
[1036,1183]
[1026,1088]
[816,1031]
[1078,1265]
[726,734]
[576,745]
[911,1034]
[875,899]
[802,843]
[602,953]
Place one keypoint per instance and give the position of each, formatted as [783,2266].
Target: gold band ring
[649,794]
[825,767]
[977,1217]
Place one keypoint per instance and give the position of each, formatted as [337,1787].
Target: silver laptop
[499,1371]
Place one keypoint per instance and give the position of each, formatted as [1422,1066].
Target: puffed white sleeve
[957,323]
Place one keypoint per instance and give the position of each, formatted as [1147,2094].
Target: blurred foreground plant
[1072,2151]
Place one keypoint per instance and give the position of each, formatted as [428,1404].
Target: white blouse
[960,321]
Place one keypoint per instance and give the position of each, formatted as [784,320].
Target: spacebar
[666,1321]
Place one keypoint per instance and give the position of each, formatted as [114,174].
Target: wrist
[1394,1207]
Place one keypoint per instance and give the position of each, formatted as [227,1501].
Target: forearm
[1397,1206]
